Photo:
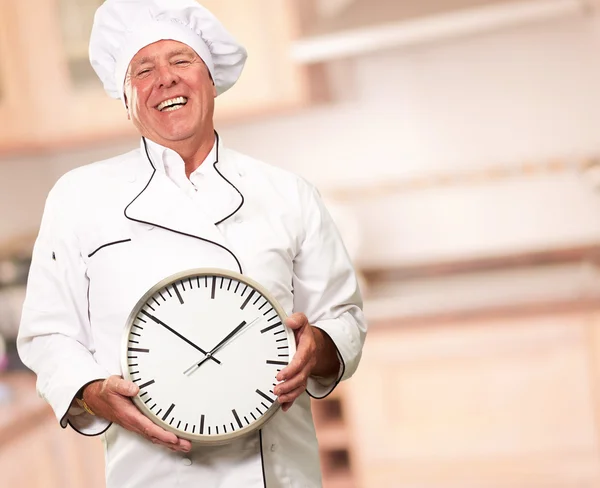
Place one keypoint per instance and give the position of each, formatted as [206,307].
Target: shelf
[364,28]
[51,99]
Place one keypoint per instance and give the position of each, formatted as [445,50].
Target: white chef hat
[123,27]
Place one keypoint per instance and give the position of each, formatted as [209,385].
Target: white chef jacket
[113,229]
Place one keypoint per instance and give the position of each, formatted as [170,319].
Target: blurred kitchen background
[457,144]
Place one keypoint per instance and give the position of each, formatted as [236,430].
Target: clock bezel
[202,439]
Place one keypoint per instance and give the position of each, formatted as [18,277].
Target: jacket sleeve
[326,289]
[55,338]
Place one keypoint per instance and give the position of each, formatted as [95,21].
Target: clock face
[204,347]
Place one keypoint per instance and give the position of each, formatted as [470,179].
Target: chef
[182,200]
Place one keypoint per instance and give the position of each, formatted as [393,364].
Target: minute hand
[158,321]
[222,343]
[229,336]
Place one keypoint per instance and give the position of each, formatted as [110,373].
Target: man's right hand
[111,399]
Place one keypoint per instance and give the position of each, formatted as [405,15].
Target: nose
[166,77]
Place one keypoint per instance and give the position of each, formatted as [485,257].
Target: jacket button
[273,447]
[186,461]
[237,219]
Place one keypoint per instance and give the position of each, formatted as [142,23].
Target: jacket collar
[161,203]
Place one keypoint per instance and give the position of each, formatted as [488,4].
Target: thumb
[296,321]
[126,388]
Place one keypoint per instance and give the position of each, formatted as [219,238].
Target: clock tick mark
[237,419]
[270,327]
[282,363]
[247,300]
[168,411]
[177,293]
[265,396]
[148,383]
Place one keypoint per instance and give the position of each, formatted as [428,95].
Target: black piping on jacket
[262,458]
[239,265]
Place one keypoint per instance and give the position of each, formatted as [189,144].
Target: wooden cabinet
[50,96]
[495,403]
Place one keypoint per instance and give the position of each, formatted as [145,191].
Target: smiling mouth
[172,104]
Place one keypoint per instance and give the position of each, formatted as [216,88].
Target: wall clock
[204,347]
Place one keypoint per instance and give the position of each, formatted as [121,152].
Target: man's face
[169,93]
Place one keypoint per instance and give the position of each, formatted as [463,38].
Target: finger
[172,447]
[137,422]
[304,352]
[296,321]
[291,396]
[292,383]
[184,445]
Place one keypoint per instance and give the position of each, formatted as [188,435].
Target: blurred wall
[497,100]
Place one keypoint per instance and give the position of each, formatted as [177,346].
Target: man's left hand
[315,352]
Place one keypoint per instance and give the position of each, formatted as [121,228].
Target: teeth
[172,101]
